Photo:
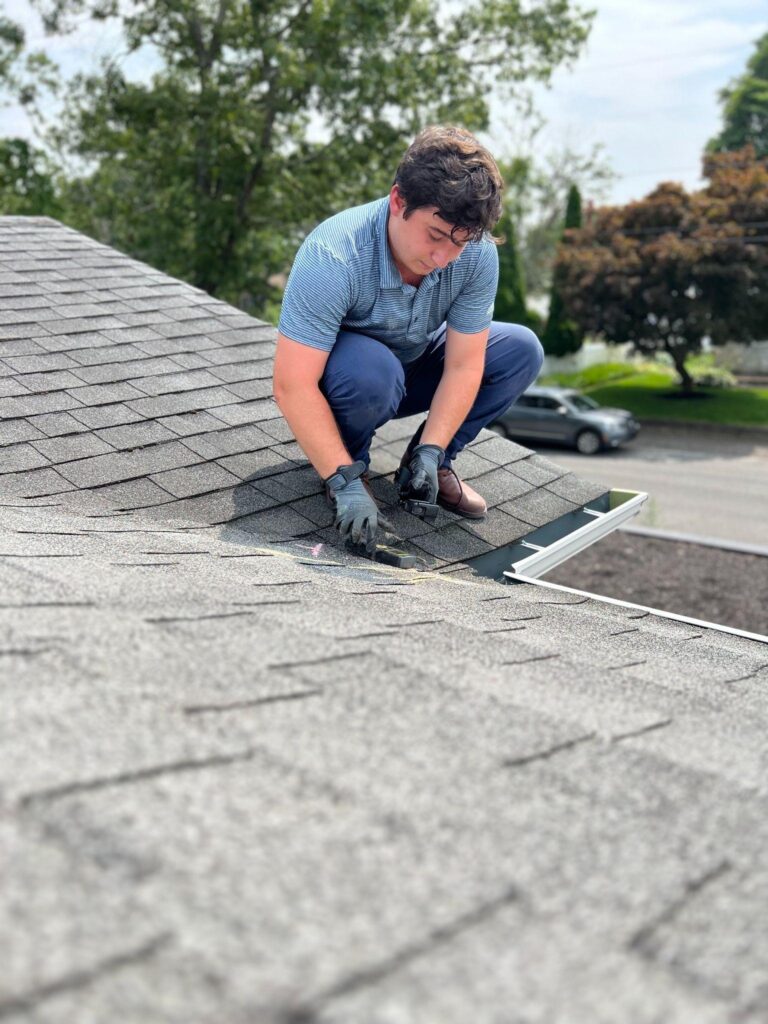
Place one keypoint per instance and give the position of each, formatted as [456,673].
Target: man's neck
[407,276]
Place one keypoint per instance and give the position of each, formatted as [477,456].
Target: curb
[689,538]
[689,426]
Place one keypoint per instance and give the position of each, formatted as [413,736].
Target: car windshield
[582,403]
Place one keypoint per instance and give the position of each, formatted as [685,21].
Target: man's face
[421,242]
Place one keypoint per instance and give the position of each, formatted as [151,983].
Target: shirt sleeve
[317,297]
[472,309]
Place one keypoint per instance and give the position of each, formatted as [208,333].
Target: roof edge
[511,577]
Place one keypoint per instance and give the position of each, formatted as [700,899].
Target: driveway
[705,483]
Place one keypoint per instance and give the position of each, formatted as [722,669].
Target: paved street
[707,484]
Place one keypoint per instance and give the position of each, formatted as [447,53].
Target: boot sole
[457,511]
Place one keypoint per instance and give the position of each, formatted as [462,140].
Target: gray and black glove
[357,514]
[419,478]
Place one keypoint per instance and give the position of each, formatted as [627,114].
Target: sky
[645,87]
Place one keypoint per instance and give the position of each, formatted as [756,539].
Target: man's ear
[396,202]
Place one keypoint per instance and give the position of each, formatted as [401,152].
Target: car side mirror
[563,410]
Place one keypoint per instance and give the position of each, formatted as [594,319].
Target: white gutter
[624,505]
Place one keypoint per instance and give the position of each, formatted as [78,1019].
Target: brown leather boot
[452,493]
[456,496]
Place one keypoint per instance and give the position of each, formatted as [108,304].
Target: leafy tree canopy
[745,106]
[669,270]
[265,117]
[26,176]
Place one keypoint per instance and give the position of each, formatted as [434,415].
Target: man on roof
[387,313]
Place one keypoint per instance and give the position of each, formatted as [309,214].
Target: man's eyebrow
[446,234]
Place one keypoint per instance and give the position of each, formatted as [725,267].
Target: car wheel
[588,442]
[498,428]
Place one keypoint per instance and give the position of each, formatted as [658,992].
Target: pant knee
[534,353]
[370,382]
[521,354]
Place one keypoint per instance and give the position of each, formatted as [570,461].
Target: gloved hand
[420,478]
[357,515]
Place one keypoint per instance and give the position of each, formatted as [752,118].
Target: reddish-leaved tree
[672,269]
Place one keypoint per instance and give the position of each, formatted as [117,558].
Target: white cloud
[646,86]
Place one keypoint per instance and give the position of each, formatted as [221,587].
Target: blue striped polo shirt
[344,278]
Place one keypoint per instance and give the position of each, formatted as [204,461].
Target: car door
[522,418]
[554,424]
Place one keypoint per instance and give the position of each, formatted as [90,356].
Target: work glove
[419,478]
[357,514]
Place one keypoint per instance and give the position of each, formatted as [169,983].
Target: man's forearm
[310,418]
[453,399]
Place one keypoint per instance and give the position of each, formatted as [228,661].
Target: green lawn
[650,393]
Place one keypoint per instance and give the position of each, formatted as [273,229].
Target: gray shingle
[134,494]
[13,431]
[31,405]
[278,429]
[171,346]
[236,413]
[173,383]
[229,442]
[254,464]
[497,529]
[499,450]
[451,543]
[217,507]
[244,371]
[109,373]
[105,394]
[251,389]
[10,387]
[18,457]
[499,486]
[53,380]
[18,336]
[183,483]
[185,401]
[32,484]
[106,415]
[76,324]
[576,489]
[191,423]
[538,507]
[135,435]
[106,469]
[37,363]
[65,449]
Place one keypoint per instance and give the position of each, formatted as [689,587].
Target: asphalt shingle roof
[247,777]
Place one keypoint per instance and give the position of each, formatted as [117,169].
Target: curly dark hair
[445,166]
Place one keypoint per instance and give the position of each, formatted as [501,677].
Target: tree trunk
[678,358]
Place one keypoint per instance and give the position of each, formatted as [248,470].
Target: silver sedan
[565,416]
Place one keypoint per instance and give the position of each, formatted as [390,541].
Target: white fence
[590,353]
[734,356]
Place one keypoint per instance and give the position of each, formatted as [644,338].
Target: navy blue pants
[366,385]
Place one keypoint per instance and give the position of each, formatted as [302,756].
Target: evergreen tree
[561,334]
[745,107]
[510,304]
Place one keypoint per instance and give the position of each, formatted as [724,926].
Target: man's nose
[441,258]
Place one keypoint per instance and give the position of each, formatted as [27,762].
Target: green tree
[510,305]
[26,181]
[266,117]
[675,268]
[536,182]
[562,334]
[27,184]
[745,107]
